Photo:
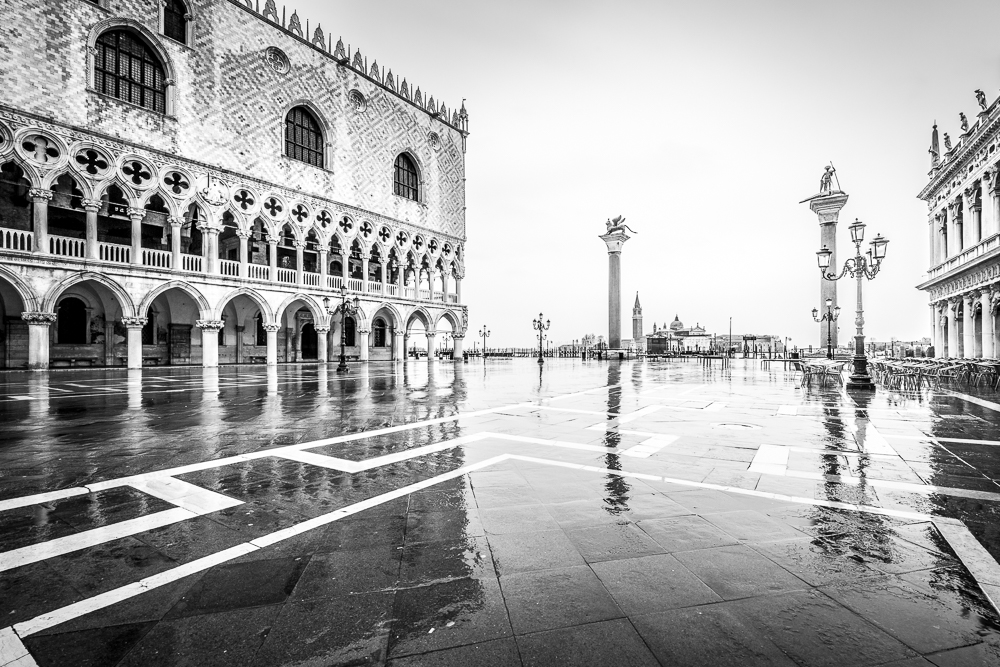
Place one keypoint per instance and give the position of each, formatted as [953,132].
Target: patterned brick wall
[229,104]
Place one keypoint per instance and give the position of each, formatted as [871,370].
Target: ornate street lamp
[858,267]
[830,316]
[484,333]
[346,308]
[540,326]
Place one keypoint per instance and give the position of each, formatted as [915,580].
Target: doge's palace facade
[963,278]
[198,181]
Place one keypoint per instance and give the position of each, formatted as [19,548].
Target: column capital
[92,205]
[272,328]
[458,336]
[134,213]
[243,234]
[174,221]
[321,329]
[133,322]
[299,244]
[39,318]
[210,325]
[39,195]
[430,332]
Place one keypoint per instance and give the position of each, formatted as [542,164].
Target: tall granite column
[615,239]
[827,209]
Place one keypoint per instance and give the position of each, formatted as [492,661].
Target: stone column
[398,346]
[244,238]
[968,327]
[38,338]
[133,328]
[431,344]
[211,234]
[936,329]
[444,286]
[300,248]
[952,328]
[401,279]
[458,287]
[175,243]
[993,201]
[827,209]
[459,340]
[614,241]
[986,301]
[968,218]
[272,273]
[209,341]
[92,206]
[361,337]
[322,343]
[364,274]
[324,260]
[955,231]
[240,329]
[40,212]
[136,215]
[272,343]
[941,225]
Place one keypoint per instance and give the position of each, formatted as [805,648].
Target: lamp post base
[859,380]
[342,366]
[540,360]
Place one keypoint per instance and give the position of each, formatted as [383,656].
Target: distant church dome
[676,324]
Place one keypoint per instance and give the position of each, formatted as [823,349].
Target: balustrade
[228,267]
[112,252]
[258,271]
[157,258]
[191,263]
[65,246]
[966,256]
[22,240]
[15,239]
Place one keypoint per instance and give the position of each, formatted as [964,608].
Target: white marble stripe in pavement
[932,438]
[38,498]
[972,399]
[64,545]
[12,652]
[648,447]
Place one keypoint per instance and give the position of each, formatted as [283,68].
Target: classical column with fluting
[615,239]
[827,208]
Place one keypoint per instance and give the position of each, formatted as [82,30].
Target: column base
[860,383]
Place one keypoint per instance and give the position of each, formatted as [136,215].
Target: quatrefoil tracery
[300,213]
[244,200]
[92,162]
[137,172]
[40,149]
[366,229]
[346,225]
[177,183]
[273,207]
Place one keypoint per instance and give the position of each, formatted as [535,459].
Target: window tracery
[126,69]
[405,182]
[303,137]
[175,20]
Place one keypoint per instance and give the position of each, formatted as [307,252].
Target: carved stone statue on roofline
[981,99]
[965,122]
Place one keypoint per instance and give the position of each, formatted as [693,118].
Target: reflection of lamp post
[346,308]
[830,316]
[540,326]
[484,333]
[859,267]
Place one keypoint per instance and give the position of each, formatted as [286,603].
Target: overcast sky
[704,123]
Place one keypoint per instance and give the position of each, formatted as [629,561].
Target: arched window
[349,329]
[380,329]
[303,137]
[259,327]
[72,322]
[405,183]
[127,69]
[175,20]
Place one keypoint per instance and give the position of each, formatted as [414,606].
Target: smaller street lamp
[830,316]
[484,333]
[540,327]
[346,308]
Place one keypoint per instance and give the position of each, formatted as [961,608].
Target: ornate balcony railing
[21,242]
[966,256]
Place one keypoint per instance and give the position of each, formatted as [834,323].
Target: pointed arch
[82,183]
[421,314]
[316,309]
[168,201]
[251,294]
[28,171]
[453,319]
[392,310]
[23,289]
[204,309]
[149,39]
[124,300]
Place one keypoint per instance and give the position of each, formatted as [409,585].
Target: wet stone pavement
[593,514]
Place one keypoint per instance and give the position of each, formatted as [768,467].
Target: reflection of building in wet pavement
[418,514]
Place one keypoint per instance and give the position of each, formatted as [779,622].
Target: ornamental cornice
[966,152]
[45,319]
[957,288]
[163,161]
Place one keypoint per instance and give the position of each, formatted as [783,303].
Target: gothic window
[303,137]
[261,334]
[405,183]
[349,330]
[72,322]
[127,69]
[175,20]
[380,330]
